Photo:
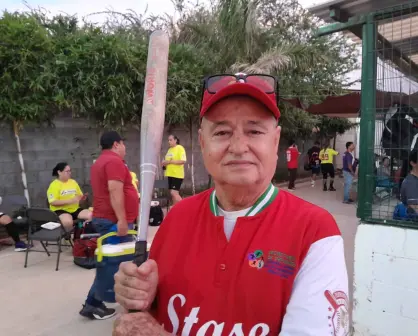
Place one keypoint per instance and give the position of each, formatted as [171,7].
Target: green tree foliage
[25,78]
[48,64]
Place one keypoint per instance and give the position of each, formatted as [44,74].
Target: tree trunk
[192,157]
[22,163]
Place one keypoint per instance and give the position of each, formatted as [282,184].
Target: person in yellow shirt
[174,167]
[135,182]
[326,155]
[64,196]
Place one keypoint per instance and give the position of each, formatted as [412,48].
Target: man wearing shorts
[242,258]
[326,155]
[174,167]
[314,161]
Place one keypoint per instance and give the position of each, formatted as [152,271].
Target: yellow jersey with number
[63,191]
[327,155]
[177,153]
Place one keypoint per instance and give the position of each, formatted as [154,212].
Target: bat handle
[140,257]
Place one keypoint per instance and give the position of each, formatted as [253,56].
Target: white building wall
[385,281]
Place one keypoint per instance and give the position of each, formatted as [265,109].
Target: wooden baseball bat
[152,128]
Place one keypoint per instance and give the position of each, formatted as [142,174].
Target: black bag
[156,215]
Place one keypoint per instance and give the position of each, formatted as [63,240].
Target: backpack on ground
[83,250]
[156,214]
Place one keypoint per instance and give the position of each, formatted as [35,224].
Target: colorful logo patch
[256,259]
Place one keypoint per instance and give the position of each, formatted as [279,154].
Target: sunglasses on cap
[266,83]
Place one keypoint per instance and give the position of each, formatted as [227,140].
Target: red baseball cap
[259,87]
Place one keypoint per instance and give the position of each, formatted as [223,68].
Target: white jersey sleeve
[319,304]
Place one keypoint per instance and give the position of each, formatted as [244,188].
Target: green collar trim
[263,202]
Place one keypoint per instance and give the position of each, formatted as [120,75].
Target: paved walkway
[38,301]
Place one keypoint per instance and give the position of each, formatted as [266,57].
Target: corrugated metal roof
[353,7]
[401,53]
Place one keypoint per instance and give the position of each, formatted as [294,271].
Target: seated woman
[409,189]
[384,178]
[64,196]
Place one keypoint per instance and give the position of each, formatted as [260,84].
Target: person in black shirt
[314,161]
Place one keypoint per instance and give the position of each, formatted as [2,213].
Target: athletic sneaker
[98,313]
[332,189]
[312,184]
[325,188]
[20,247]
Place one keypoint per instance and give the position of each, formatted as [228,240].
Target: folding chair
[37,217]
[12,203]
[161,192]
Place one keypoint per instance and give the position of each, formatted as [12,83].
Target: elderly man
[243,258]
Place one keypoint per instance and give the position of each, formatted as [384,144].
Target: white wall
[385,281]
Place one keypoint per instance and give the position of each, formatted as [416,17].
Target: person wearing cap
[243,258]
[115,207]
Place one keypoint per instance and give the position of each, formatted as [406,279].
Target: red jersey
[282,271]
[109,166]
[292,156]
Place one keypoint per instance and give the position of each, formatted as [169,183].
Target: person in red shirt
[242,258]
[292,156]
[115,207]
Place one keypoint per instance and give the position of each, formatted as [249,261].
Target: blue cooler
[108,259]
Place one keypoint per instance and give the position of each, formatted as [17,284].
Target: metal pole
[368,120]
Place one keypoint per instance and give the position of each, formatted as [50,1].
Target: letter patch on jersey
[338,316]
[212,328]
[277,263]
[68,192]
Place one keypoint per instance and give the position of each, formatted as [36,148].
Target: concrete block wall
[76,142]
[385,281]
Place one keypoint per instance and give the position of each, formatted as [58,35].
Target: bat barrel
[152,123]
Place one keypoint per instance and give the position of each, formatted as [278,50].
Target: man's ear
[202,145]
[278,131]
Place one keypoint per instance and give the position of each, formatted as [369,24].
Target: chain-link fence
[396,126]
[388,182]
